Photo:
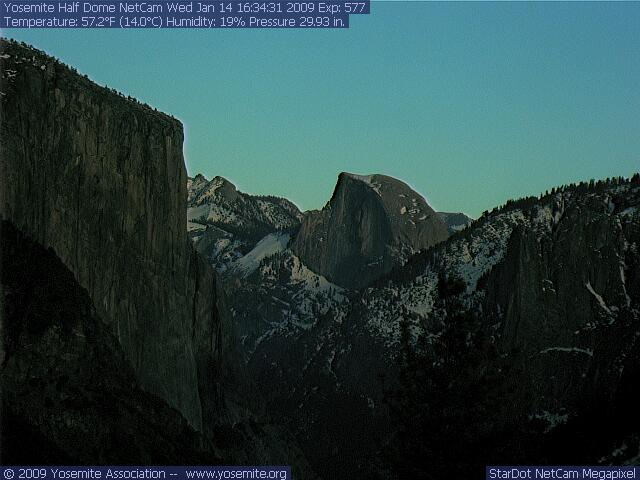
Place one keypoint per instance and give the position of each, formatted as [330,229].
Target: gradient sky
[470,103]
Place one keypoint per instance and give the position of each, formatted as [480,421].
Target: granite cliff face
[371,224]
[101,179]
[68,394]
[567,296]
[136,319]
[533,312]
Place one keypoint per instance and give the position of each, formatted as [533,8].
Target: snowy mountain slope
[556,278]
[226,224]
[470,255]
[218,202]
[326,345]
[467,256]
[278,296]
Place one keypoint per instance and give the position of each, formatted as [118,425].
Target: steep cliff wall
[567,296]
[68,394]
[371,224]
[101,179]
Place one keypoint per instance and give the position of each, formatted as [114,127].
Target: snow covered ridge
[281,297]
[473,251]
[218,202]
[269,245]
[409,293]
[467,257]
[226,224]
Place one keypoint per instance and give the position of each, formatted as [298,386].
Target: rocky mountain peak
[371,224]
[218,202]
[226,223]
[404,207]
[222,183]
[366,179]
[202,191]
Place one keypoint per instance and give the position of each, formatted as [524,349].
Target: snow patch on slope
[269,245]
[598,297]
[368,179]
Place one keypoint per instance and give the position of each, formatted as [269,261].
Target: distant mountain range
[370,225]
[308,326]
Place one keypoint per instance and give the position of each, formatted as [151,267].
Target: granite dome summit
[371,224]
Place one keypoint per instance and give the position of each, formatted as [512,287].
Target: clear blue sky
[470,103]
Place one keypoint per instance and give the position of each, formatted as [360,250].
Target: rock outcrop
[371,224]
[567,295]
[455,221]
[101,179]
